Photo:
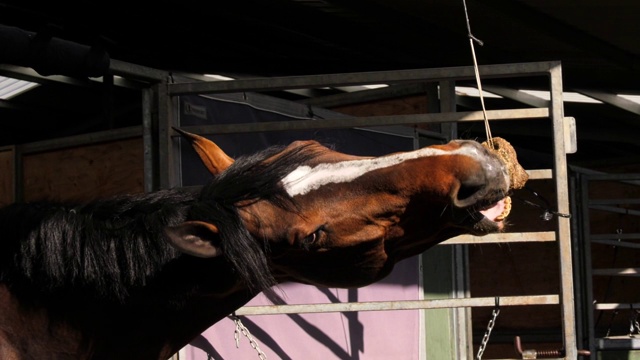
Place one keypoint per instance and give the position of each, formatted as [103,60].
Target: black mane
[107,247]
[104,247]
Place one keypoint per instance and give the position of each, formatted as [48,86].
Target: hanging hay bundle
[507,155]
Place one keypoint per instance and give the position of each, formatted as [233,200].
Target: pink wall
[352,335]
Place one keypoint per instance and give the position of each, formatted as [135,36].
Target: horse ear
[215,160]
[195,238]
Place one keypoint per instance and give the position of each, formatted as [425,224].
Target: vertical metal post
[441,335]
[564,230]
[448,104]
[164,140]
[463,331]
[18,174]
[168,111]
[586,246]
[578,260]
[149,143]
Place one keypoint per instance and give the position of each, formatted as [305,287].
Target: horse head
[344,220]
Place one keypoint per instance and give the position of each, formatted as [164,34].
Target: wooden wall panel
[6,176]
[84,173]
[402,106]
[407,105]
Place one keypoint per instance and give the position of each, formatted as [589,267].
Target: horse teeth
[506,211]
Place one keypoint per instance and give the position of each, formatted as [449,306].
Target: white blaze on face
[305,178]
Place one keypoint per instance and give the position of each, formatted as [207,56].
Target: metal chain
[241,329]
[487,333]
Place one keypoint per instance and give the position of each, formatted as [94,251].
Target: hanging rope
[487,129]
[473,39]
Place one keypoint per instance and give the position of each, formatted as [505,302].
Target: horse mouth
[498,211]
[493,216]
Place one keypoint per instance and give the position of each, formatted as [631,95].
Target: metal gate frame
[584,238]
[167,170]
[159,98]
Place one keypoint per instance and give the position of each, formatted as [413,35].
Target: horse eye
[311,239]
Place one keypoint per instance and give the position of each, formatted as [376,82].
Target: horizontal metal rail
[538,236]
[615,177]
[616,306]
[617,272]
[362,78]
[617,243]
[625,342]
[399,305]
[367,121]
[621,236]
[540,174]
[614,201]
[618,210]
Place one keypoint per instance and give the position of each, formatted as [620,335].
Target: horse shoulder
[27,334]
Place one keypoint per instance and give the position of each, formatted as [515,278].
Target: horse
[138,276]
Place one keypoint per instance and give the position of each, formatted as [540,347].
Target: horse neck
[143,335]
[187,298]
[151,321]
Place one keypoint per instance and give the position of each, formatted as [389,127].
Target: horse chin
[487,226]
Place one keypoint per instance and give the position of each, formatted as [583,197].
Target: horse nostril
[466,193]
[489,181]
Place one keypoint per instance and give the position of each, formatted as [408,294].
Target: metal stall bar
[601,343]
[159,170]
[363,78]
[555,111]
[587,281]
[364,121]
[458,284]
[400,305]
[564,224]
